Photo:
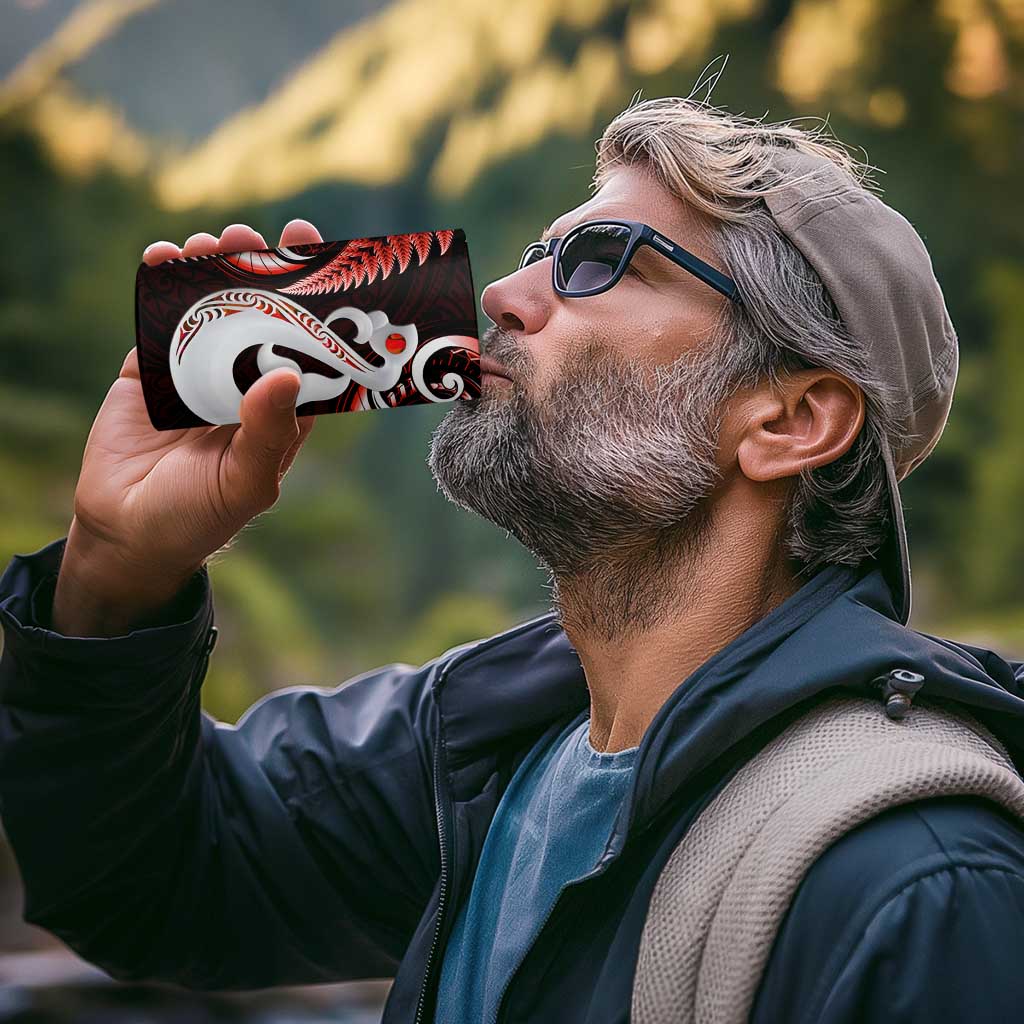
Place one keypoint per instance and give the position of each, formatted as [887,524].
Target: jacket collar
[840,630]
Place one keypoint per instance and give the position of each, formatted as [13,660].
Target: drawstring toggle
[899,687]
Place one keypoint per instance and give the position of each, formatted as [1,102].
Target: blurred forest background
[127,121]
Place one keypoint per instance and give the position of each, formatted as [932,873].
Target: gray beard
[605,479]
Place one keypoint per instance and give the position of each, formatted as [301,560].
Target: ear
[811,420]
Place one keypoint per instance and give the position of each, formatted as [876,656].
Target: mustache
[500,345]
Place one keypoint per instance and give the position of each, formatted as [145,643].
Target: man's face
[604,439]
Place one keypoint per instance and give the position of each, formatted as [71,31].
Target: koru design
[218,328]
[347,357]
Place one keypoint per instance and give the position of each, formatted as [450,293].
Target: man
[700,436]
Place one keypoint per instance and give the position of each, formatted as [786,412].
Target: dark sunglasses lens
[591,255]
[531,255]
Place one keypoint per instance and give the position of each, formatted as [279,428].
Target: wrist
[101,591]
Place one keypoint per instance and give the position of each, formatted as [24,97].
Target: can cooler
[369,323]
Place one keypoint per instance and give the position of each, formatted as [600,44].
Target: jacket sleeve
[298,846]
[914,918]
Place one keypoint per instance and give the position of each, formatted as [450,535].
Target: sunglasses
[594,255]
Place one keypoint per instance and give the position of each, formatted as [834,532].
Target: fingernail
[285,392]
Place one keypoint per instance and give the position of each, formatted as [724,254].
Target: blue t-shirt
[550,827]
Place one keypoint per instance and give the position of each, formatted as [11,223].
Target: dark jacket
[332,833]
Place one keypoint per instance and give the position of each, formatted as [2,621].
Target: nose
[520,301]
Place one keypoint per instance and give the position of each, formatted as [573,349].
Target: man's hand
[151,506]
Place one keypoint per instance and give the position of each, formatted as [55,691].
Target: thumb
[268,431]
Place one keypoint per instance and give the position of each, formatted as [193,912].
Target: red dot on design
[395,343]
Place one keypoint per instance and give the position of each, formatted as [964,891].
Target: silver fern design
[362,261]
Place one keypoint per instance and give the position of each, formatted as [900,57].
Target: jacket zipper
[443,886]
[441,833]
[439,806]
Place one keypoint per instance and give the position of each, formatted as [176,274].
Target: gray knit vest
[724,890]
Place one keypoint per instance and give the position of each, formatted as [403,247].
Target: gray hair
[721,165]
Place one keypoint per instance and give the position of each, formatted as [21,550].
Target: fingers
[269,430]
[157,252]
[299,232]
[240,238]
[201,244]
[234,238]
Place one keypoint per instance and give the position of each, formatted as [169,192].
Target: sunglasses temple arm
[696,266]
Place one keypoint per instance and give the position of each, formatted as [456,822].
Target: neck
[650,614]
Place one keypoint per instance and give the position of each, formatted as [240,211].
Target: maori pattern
[208,327]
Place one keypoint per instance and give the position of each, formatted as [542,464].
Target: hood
[837,633]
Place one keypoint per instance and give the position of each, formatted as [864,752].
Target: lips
[488,365]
